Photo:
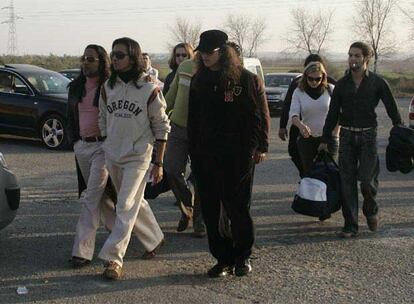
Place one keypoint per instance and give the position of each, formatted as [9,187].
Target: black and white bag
[319,191]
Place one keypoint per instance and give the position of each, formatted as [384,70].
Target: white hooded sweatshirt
[132,118]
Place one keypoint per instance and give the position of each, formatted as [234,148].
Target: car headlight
[2,160]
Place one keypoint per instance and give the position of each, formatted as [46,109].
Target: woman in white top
[310,105]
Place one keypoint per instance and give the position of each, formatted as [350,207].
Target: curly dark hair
[230,63]
[78,85]
[135,55]
[172,63]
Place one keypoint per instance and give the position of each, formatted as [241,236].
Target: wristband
[158,164]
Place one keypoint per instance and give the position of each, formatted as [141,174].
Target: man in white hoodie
[132,116]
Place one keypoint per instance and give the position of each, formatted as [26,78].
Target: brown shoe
[148,255]
[113,271]
[78,262]
[372,222]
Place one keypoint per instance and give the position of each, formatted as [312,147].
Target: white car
[9,194]
[411,113]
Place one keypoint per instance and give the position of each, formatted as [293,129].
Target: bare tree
[184,31]
[247,32]
[409,13]
[373,24]
[310,31]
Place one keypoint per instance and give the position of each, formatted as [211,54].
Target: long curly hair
[230,66]
[78,84]
[172,63]
[135,55]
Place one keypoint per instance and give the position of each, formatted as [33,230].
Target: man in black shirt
[284,117]
[353,104]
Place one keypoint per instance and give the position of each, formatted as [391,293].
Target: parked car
[253,65]
[411,113]
[33,104]
[70,73]
[9,194]
[276,86]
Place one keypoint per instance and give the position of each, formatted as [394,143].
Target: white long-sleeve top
[313,112]
[132,118]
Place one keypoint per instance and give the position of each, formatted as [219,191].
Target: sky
[67,26]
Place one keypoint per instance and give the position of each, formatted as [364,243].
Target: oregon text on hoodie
[132,118]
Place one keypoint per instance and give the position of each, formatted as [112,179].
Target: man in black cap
[228,125]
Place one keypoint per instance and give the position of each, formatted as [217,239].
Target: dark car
[70,73]
[9,194]
[276,86]
[33,104]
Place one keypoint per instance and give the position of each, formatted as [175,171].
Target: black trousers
[228,180]
[293,149]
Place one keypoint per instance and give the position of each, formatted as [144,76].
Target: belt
[353,129]
[93,138]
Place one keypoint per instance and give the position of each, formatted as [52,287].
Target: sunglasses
[89,59]
[181,55]
[315,79]
[209,52]
[118,55]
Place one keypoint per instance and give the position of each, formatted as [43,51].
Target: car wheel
[53,132]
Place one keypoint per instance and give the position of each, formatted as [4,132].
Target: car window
[6,82]
[278,80]
[9,83]
[47,82]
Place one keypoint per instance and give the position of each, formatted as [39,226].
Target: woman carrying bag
[310,105]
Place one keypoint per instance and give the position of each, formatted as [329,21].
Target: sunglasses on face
[89,59]
[118,55]
[314,79]
[208,53]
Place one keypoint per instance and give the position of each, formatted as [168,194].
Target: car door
[18,105]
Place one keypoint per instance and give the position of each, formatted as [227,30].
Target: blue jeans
[358,160]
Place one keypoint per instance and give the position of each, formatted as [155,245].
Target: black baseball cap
[211,40]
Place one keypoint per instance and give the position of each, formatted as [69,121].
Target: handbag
[319,193]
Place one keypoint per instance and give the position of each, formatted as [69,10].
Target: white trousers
[96,204]
[131,210]
[91,160]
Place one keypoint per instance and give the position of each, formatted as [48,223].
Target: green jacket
[178,94]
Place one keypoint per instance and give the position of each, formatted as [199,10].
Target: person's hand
[305,131]
[156,174]
[259,157]
[283,134]
[323,147]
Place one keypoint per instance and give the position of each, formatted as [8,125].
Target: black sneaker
[220,270]
[183,223]
[243,267]
[347,233]
[78,262]
[372,222]
[324,218]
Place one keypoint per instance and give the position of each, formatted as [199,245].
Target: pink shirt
[88,113]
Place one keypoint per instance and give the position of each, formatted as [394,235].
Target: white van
[254,66]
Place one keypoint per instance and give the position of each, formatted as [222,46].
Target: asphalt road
[296,259]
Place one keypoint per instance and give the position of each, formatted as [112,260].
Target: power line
[222,5]
[12,36]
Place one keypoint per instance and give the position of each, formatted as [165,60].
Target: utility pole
[12,37]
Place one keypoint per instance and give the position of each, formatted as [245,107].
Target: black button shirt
[355,107]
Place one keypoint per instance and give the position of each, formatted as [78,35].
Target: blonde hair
[313,66]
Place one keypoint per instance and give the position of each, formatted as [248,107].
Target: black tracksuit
[223,137]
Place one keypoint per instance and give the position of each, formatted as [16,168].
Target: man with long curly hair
[228,125]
